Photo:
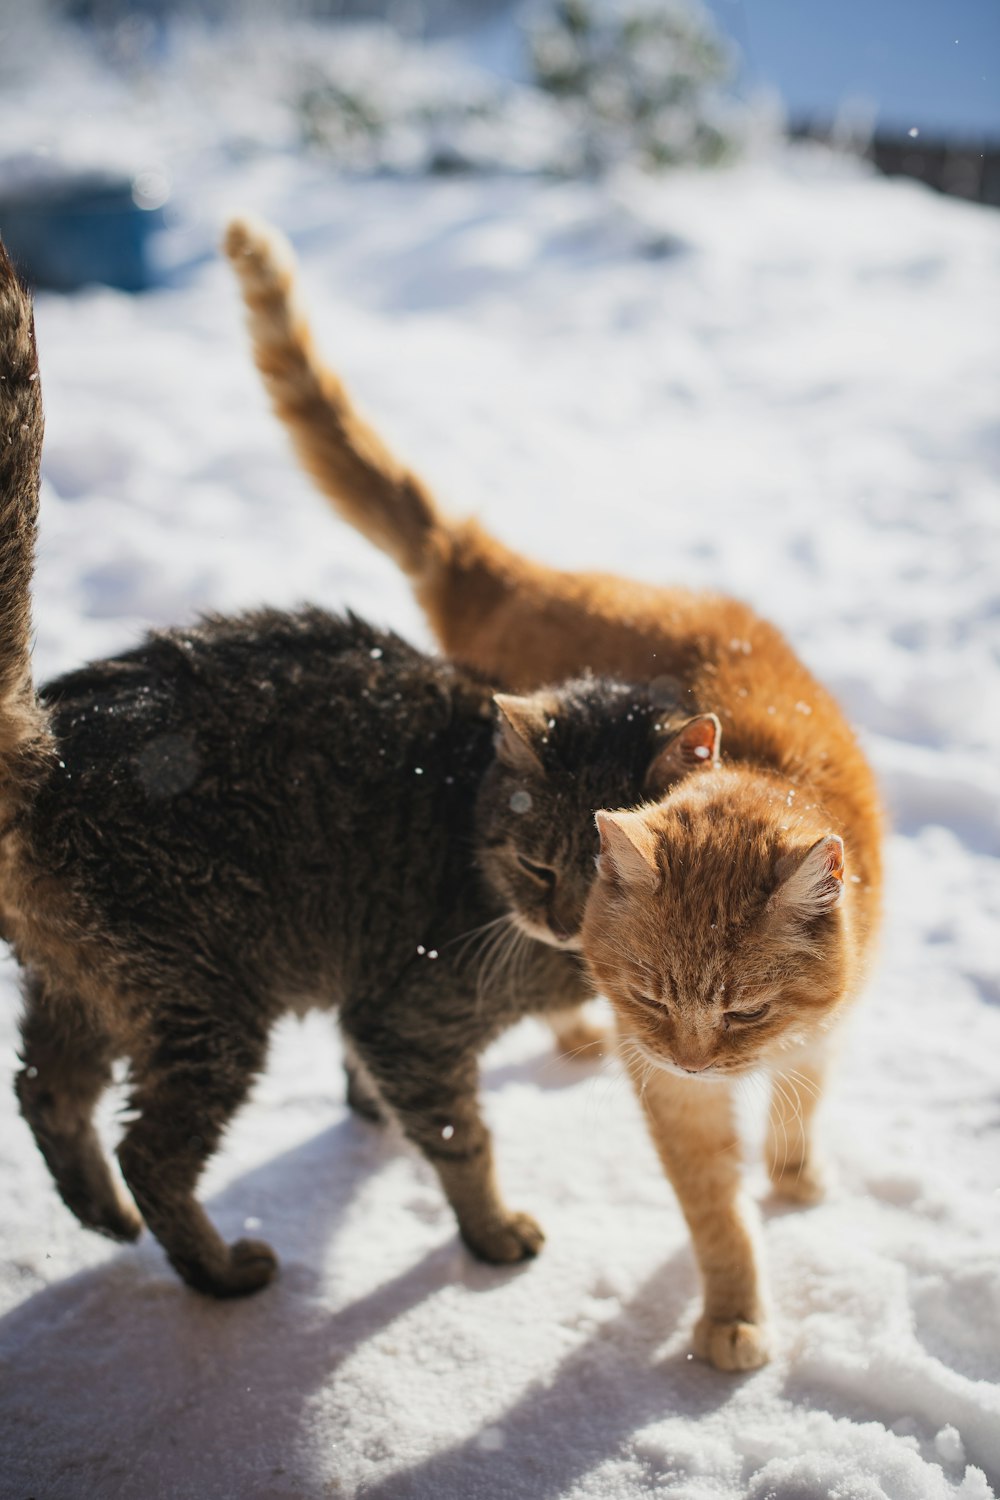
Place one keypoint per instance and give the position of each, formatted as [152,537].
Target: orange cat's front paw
[731,1346]
[803,1182]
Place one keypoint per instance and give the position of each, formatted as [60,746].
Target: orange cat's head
[716,925]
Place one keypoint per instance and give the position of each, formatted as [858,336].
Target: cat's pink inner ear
[816,883]
[628,850]
[695,744]
[522,725]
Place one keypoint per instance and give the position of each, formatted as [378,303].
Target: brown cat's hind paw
[731,1346]
[100,1208]
[119,1221]
[515,1238]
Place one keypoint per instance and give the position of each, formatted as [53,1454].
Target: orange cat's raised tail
[347,458]
[488,606]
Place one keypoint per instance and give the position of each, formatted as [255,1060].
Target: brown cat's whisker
[465,940]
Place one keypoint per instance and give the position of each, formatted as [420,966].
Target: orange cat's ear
[628,850]
[522,725]
[695,744]
[814,881]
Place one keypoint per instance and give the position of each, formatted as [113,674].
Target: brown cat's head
[716,925]
[560,755]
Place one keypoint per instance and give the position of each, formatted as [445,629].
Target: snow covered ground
[781,381]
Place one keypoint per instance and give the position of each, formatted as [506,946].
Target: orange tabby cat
[729,923]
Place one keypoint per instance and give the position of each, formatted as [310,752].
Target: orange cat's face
[715,925]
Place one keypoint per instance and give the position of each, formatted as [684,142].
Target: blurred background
[113,112]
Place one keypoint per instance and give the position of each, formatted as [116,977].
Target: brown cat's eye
[746,1016]
[542,873]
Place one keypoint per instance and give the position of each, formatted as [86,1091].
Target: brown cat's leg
[438,1109]
[67,1067]
[795,1169]
[183,1106]
[693,1129]
[464,1163]
[362,1095]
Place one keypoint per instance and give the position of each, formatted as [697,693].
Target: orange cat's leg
[693,1129]
[578,1036]
[794,1166]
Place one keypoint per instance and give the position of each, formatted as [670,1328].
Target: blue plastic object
[73,231]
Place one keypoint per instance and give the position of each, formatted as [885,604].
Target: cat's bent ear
[811,883]
[522,726]
[628,850]
[695,744]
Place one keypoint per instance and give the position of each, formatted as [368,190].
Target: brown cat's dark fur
[266,813]
[731,922]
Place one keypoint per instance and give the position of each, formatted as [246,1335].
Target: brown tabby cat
[731,922]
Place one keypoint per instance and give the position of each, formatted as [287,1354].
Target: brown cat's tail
[368,486]
[22,721]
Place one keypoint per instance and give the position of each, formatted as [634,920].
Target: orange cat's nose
[691,1059]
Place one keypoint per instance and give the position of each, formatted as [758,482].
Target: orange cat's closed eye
[746,1017]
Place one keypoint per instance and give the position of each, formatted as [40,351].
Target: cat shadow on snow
[203,1360]
[212,1365]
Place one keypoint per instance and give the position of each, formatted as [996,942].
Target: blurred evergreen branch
[642,79]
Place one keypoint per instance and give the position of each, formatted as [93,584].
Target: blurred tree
[642,76]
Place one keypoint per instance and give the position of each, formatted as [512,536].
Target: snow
[778,381]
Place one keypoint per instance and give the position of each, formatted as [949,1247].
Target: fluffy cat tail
[369,487]
[22,721]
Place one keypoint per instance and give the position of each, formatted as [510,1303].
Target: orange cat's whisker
[803,1082]
[780,1118]
[574,1053]
[610,1082]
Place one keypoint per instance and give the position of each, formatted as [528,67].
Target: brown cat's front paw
[252,1264]
[731,1345]
[803,1182]
[518,1237]
[249,1266]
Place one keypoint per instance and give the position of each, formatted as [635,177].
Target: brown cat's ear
[695,744]
[522,725]
[628,850]
[811,883]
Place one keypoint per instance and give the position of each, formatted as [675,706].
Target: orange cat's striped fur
[729,924]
